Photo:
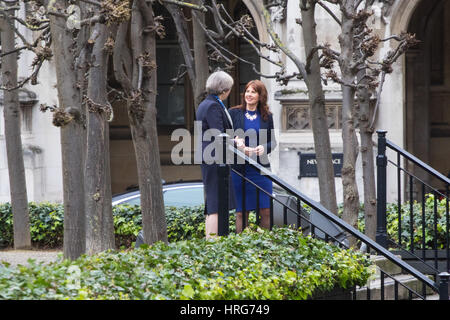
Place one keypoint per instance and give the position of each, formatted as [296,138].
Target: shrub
[6,225]
[418,227]
[278,264]
[47,228]
[46,224]
[393,225]
[127,224]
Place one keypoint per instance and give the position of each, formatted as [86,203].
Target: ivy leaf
[187,292]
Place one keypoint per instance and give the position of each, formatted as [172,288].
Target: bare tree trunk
[142,115]
[350,142]
[318,116]
[317,101]
[99,220]
[11,111]
[365,132]
[72,137]
[368,166]
[200,58]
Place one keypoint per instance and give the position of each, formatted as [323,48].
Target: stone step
[386,265]
[389,288]
[434,296]
[394,271]
[405,282]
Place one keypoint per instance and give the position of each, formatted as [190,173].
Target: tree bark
[142,115]
[350,142]
[99,220]
[73,136]
[321,136]
[16,168]
[365,133]
[200,58]
[368,166]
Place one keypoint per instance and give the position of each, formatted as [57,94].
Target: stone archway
[401,13]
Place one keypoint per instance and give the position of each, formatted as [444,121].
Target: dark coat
[238,117]
[212,116]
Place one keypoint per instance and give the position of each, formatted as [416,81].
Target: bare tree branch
[185,4]
[300,65]
[220,50]
[95,3]
[121,59]
[324,6]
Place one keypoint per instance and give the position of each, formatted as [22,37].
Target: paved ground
[16,257]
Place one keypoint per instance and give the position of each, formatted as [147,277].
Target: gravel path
[16,257]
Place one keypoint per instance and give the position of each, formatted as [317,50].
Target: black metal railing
[422,222]
[311,220]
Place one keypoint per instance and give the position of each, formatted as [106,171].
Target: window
[2,123]
[171,97]
[246,71]
[26,117]
[26,113]
[242,71]
[170,100]
[174,101]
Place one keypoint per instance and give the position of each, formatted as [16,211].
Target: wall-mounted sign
[308,164]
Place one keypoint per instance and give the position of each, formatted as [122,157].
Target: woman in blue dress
[253,122]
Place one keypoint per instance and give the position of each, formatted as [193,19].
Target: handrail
[410,253]
[418,162]
[382,236]
[333,218]
[415,177]
[288,208]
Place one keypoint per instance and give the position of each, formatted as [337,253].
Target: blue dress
[252,174]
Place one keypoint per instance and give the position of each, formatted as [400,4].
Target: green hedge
[278,264]
[46,224]
[392,222]
[441,224]
[189,223]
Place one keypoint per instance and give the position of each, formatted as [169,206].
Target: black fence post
[443,285]
[224,176]
[381,233]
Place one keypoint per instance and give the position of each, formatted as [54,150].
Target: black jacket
[212,116]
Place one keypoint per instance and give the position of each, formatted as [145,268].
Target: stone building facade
[415,103]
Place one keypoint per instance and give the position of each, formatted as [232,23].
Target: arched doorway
[175,105]
[427,113]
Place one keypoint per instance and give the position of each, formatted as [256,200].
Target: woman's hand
[259,150]
[249,151]
[240,143]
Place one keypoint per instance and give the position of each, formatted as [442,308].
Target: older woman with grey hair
[214,115]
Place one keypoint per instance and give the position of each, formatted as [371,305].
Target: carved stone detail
[296,115]
[277,9]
